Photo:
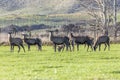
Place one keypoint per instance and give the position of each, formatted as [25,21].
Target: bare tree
[101,11]
[115,17]
[0,30]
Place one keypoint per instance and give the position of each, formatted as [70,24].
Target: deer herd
[61,42]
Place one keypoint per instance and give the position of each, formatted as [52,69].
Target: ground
[48,65]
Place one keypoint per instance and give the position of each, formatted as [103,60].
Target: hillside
[41,6]
[50,12]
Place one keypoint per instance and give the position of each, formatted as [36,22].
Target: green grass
[48,65]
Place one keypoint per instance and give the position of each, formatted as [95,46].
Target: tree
[0,30]
[115,17]
[101,11]
[27,29]
[70,27]
[13,29]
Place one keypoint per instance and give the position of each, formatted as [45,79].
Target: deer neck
[72,35]
[10,37]
[96,44]
[51,37]
[25,38]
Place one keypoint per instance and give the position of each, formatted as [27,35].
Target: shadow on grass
[110,58]
[116,72]
[115,50]
[37,70]
[52,66]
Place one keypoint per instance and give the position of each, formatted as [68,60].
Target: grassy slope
[29,19]
[47,65]
[53,20]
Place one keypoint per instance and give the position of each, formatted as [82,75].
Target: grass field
[48,65]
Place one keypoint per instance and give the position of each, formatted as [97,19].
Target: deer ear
[9,32]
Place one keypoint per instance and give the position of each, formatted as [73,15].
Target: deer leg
[91,47]
[62,49]
[23,47]
[66,47]
[87,47]
[18,48]
[70,48]
[11,48]
[73,45]
[59,49]
[108,46]
[105,47]
[77,47]
[99,47]
[28,47]
[38,47]
[55,47]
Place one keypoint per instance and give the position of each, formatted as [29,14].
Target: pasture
[48,65]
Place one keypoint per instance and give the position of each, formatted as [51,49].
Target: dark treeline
[17,28]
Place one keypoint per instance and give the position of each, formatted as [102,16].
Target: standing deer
[57,40]
[32,41]
[82,40]
[15,42]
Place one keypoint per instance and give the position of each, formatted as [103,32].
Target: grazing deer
[102,40]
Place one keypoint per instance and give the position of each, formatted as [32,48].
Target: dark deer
[102,40]
[57,40]
[32,41]
[15,42]
[82,40]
